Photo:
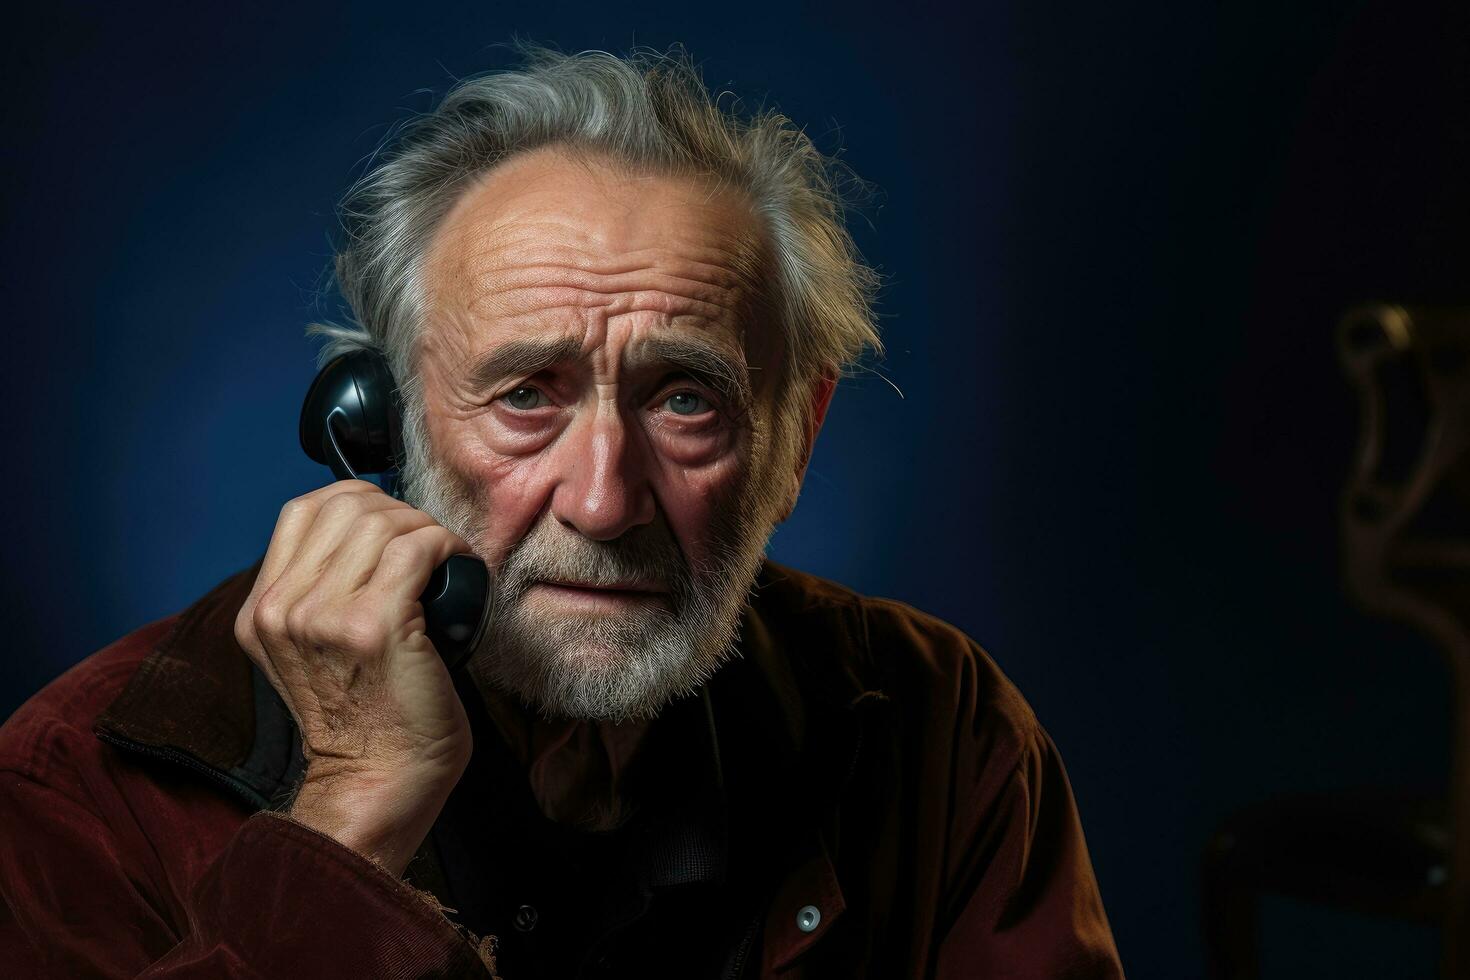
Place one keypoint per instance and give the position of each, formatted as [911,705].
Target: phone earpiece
[350,419]
[350,422]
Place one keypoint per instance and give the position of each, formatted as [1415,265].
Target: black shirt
[653,897]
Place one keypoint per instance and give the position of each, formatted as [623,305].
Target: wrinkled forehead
[548,241]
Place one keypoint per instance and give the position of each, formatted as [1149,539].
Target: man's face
[597,369]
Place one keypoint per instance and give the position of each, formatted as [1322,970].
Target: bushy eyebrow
[521,358]
[709,363]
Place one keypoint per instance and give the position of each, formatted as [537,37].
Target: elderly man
[616,314]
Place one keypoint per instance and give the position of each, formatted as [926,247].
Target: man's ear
[821,396]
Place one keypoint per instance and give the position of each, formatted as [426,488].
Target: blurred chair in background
[1405,521]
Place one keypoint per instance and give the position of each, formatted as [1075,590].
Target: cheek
[509,491]
[693,497]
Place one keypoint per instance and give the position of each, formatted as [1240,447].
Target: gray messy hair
[649,112]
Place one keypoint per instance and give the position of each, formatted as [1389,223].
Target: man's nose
[605,488]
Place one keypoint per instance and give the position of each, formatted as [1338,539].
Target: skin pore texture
[599,373]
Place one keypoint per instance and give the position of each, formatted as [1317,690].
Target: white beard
[614,668]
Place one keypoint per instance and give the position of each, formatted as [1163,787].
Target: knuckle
[405,549]
[376,523]
[302,622]
[360,632]
[269,617]
[293,509]
[314,625]
[342,505]
[292,624]
[339,487]
[245,628]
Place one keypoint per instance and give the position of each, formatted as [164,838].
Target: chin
[620,669]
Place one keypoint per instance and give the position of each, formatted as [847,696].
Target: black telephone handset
[350,422]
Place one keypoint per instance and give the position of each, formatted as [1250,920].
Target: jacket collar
[198,700]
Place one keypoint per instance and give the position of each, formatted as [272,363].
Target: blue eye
[686,403]
[526,398]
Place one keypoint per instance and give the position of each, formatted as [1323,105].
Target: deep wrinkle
[631,294]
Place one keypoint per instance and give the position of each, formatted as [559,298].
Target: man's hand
[335,623]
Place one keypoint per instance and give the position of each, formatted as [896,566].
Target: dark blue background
[1115,236]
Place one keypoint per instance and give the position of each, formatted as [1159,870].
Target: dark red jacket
[935,832]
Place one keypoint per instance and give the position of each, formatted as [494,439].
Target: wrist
[385,818]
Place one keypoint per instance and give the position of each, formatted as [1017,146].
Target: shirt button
[808,918]
[525,919]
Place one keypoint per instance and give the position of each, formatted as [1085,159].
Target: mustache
[647,555]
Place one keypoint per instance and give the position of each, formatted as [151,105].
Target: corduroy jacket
[924,821]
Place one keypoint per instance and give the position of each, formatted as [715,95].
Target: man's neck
[576,768]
